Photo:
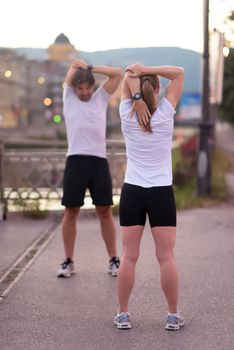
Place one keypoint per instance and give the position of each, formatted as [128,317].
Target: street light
[206,126]
[226,51]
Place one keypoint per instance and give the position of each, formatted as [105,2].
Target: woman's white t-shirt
[85,122]
[149,160]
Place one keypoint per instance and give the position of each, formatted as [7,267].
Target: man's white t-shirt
[149,160]
[85,122]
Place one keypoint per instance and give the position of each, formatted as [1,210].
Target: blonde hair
[149,83]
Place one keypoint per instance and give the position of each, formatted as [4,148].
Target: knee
[163,257]
[131,258]
[104,213]
[70,214]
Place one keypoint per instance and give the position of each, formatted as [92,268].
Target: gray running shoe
[113,266]
[122,320]
[174,322]
[67,269]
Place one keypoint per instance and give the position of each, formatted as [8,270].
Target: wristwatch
[90,66]
[137,96]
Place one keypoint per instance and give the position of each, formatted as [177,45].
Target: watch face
[137,96]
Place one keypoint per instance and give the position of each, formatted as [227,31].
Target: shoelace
[172,319]
[115,261]
[65,264]
[124,318]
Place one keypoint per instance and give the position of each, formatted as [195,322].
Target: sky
[99,25]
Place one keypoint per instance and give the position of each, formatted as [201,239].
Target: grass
[186,196]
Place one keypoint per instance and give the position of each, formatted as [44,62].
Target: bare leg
[131,238]
[69,230]
[107,229]
[164,238]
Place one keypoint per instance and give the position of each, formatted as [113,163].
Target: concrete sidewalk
[17,234]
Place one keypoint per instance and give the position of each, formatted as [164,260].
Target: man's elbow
[119,72]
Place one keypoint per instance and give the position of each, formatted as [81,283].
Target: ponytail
[148,85]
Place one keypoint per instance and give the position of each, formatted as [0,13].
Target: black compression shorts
[137,202]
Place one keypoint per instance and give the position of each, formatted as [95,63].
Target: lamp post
[206,126]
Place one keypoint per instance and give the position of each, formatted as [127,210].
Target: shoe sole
[174,328]
[122,326]
[62,275]
[113,273]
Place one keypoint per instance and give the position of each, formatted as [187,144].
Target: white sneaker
[67,269]
[122,320]
[114,266]
[174,322]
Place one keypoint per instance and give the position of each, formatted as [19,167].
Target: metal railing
[34,170]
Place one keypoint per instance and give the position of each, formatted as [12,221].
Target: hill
[188,59]
[153,56]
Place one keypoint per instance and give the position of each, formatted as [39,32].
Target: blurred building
[22,89]
[60,55]
[62,50]
[27,85]
[31,89]
[13,86]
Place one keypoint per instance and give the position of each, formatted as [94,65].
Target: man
[86,165]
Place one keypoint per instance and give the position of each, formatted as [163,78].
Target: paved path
[44,312]
[17,234]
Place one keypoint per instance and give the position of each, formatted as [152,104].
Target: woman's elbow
[181,70]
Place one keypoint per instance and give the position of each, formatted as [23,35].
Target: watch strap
[137,96]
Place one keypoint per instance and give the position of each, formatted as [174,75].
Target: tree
[227,106]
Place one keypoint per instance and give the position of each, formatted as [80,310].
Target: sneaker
[174,322]
[67,268]
[114,265]
[122,320]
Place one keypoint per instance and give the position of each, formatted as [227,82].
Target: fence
[34,171]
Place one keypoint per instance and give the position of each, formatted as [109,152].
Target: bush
[184,169]
[31,208]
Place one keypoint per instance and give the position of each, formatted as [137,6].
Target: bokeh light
[41,80]
[47,101]
[57,118]
[226,51]
[8,73]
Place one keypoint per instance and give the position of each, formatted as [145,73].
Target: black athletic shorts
[137,202]
[86,172]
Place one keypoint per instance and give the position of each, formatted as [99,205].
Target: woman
[147,127]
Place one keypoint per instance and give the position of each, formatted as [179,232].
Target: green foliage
[185,193]
[227,107]
[30,208]
[221,164]
[184,162]
[61,135]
